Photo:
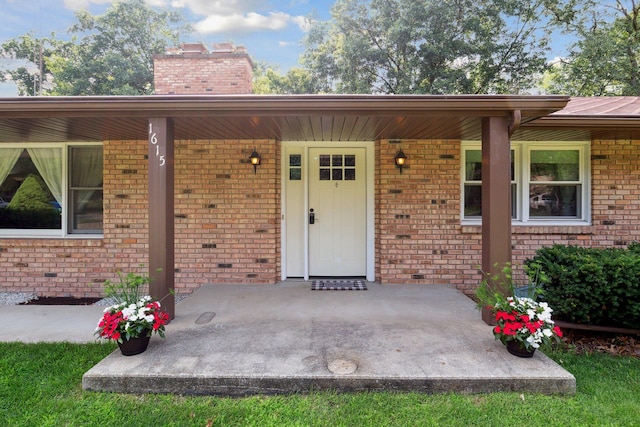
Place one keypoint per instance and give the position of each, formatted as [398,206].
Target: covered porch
[164,120]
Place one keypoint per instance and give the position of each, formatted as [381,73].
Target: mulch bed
[583,342]
[61,301]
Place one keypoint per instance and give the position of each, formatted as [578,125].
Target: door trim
[370,201]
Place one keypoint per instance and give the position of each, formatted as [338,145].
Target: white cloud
[302,21]
[83,4]
[224,7]
[243,23]
[221,16]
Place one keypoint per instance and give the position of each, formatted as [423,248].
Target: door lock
[312,217]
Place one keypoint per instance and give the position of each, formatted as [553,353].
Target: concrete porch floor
[238,340]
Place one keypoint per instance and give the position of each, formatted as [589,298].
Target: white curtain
[86,172]
[48,161]
[8,159]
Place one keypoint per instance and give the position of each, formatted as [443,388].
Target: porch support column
[161,214]
[496,199]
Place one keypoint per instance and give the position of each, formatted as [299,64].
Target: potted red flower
[133,317]
[523,325]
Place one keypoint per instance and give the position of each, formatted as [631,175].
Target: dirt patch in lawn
[61,301]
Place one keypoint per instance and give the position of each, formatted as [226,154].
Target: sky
[271,30]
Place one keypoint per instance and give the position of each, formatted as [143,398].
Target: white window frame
[64,231]
[522,154]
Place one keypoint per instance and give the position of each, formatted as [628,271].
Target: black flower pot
[518,349]
[134,345]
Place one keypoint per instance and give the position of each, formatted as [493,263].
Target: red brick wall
[228,219]
[227,223]
[419,236]
[215,73]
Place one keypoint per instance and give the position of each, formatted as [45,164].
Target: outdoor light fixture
[254,158]
[400,159]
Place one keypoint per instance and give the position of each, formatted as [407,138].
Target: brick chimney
[192,70]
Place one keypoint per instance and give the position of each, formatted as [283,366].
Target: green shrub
[30,207]
[592,286]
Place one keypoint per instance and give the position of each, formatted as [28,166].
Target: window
[50,189]
[473,184]
[295,167]
[337,167]
[549,182]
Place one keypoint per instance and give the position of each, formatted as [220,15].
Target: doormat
[338,285]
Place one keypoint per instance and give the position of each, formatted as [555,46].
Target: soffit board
[304,117]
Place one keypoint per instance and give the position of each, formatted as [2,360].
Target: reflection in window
[473,184]
[554,200]
[295,174]
[546,182]
[555,165]
[337,167]
[33,188]
[349,174]
[295,167]
[86,189]
[555,186]
[295,160]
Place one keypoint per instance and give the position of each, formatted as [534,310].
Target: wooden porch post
[161,214]
[496,198]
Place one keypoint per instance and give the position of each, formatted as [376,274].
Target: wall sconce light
[254,158]
[400,159]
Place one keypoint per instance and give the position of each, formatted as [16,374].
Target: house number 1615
[153,140]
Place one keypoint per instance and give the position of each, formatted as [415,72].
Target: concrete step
[237,340]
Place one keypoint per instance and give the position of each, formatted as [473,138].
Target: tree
[111,54]
[604,59]
[267,80]
[428,46]
[31,74]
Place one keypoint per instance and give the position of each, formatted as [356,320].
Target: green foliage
[30,208]
[129,288]
[40,386]
[111,54]
[432,47]
[592,286]
[31,52]
[497,285]
[32,195]
[267,80]
[604,59]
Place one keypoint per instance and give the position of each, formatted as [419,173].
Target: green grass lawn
[40,385]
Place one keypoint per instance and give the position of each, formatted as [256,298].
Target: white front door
[337,212]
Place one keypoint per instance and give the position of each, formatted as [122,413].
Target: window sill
[555,228]
[52,237]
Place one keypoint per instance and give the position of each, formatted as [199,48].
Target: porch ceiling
[294,117]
